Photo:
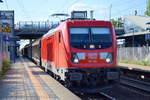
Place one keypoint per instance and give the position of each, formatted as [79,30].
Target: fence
[134,54]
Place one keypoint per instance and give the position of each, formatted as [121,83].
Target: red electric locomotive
[81,52]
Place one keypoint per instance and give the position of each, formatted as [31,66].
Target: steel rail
[135,85]
[107,96]
[135,80]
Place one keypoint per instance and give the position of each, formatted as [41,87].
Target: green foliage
[124,60]
[117,23]
[114,22]
[5,66]
[143,63]
[147,12]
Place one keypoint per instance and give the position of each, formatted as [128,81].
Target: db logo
[5,28]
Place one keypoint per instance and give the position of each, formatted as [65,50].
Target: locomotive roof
[49,32]
[85,21]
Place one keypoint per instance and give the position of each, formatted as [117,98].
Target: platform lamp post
[1,1]
[132,29]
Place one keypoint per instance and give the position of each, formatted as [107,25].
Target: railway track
[97,96]
[107,97]
[138,86]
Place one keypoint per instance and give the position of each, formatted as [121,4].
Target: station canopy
[140,25]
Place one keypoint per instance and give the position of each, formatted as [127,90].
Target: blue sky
[26,10]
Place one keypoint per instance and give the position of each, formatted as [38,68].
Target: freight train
[79,53]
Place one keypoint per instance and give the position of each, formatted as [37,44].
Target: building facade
[137,31]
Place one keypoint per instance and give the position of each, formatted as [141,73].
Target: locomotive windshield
[82,37]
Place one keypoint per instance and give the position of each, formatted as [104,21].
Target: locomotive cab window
[79,35]
[101,35]
[83,37]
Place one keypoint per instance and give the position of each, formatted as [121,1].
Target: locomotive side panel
[51,51]
[63,57]
[36,53]
[59,65]
[44,53]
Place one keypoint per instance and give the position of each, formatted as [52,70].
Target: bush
[5,65]
[143,62]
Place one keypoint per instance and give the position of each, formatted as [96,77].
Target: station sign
[6,22]
[17,45]
[147,36]
[120,41]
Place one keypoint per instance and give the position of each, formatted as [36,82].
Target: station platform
[134,67]
[26,81]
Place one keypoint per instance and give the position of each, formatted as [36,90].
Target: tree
[147,12]
[117,23]
[114,22]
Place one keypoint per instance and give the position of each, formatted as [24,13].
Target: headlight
[108,60]
[77,56]
[76,60]
[107,56]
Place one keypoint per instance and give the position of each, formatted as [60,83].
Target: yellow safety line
[40,91]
